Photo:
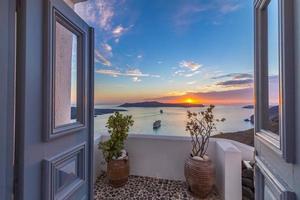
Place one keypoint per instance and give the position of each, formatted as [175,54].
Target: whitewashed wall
[228,170]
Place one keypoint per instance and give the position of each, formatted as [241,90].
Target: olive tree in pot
[113,149]
[199,170]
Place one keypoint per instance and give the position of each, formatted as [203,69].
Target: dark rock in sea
[247,120]
[155,104]
[97,111]
[252,119]
[248,107]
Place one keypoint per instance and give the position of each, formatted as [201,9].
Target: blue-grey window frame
[263,176]
[53,16]
[8,100]
[284,144]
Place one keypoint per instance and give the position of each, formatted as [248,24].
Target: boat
[161,111]
[156,124]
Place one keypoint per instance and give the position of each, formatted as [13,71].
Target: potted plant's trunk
[118,172]
[200,175]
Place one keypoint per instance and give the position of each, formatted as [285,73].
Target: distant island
[155,104]
[100,111]
[97,111]
[248,107]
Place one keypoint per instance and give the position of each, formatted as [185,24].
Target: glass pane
[273,66]
[67,174]
[65,76]
[268,195]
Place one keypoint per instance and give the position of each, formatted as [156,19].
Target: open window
[274,84]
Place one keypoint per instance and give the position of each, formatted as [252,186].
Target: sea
[173,119]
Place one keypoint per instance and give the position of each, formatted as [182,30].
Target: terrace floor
[146,188]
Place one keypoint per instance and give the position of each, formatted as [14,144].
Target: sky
[198,51]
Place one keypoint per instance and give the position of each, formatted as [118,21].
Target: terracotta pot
[118,172]
[200,176]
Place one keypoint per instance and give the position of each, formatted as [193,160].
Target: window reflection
[273,67]
[65,88]
[67,175]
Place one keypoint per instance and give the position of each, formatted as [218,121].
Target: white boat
[156,124]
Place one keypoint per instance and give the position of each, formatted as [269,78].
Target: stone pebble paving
[146,188]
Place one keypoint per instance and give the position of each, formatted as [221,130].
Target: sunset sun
[189,100]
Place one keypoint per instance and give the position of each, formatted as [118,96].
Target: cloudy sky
[172,50]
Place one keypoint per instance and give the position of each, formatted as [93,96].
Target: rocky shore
[245,137]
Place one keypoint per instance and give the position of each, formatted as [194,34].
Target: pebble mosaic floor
[145,188]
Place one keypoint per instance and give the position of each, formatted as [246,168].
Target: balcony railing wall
[164,157]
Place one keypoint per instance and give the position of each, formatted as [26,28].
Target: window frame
[55,16]
[264,177]
[284,143]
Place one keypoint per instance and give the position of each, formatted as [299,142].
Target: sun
[189,100]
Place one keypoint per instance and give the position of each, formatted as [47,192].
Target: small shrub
[118,127]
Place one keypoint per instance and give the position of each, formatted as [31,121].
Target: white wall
[98,159]
[164,157]
[228,170]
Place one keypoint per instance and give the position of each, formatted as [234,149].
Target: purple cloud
[234,76]
[236,82]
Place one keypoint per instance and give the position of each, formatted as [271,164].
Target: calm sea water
[173,120]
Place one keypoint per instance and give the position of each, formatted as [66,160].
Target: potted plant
[199,170]
[113,149]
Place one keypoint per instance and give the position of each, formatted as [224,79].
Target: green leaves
[118,127]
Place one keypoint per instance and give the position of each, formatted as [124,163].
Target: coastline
[97,111]
[156,104]
[245,137]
